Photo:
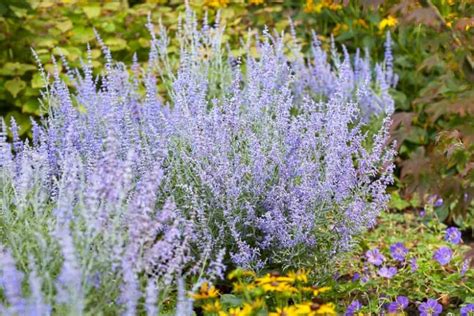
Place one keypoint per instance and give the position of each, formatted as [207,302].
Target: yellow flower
[285,311]
[237,273]
[212,307]
[317,291]
[317,7]
[237,311]
[311,7]
[256,2]
[362,23]
[389,21]
[299,275]
[311,309]
[334,6]
[269,278]
[240,287]
[258,303]
[205,292]
[340,28]
[278,287]
[216,3]
[326,309]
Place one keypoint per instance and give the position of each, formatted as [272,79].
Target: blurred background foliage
[433,49]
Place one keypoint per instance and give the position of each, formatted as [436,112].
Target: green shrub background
[433,50]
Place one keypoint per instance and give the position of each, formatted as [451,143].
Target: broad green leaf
[31,107]
[64,25]
[231,300]
[19,12]
[116,44]
[16,69]
[92,11]
[37,81]
[397,202]
[15,86]
[82,34]
[60,51]
[45,42]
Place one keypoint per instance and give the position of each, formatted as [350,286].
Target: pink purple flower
[453,235]
[400,303]
[353,308]
[375,257]
[387,272]
[430,308]
[443,255]
[398,251]
[467,310]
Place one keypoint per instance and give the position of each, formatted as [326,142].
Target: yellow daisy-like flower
[256,2]
[258,303]
[212,307]
[216,3]
[317,291]
[278,287]
[285,311]
[311,309]
[246,310]
[237,273]
[334,6]
[205,292]
[326,309]
[269,278]
[340,28]
[240,287]
[389,21]
[362,23]
[310,6]
[299,275]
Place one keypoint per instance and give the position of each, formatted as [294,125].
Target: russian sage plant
[257,162]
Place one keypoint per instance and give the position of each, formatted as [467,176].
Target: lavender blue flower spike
[247,161]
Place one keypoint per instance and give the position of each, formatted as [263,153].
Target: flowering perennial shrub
[256,163]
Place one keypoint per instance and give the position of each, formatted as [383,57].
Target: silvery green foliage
[260,162]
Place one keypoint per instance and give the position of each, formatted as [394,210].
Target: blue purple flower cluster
[401,259]
[255,163]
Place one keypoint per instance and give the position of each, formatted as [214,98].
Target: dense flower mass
[255,163]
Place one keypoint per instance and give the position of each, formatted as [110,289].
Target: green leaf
[14,86]
[231,300]
[92,11]
[64,25]
[396,202]
[31,107]
[116,44]
[37,81]
[442,212]
[16,69]
[82,34]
